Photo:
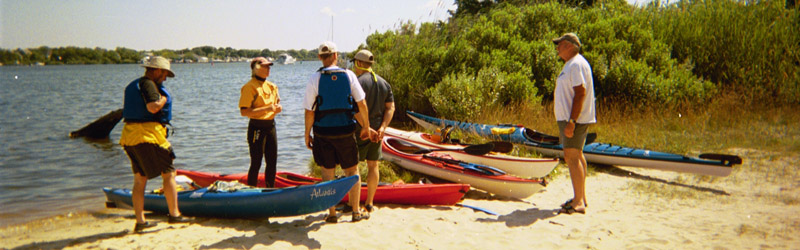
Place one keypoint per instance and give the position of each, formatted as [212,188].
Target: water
[45,173]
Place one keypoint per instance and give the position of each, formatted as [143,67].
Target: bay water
[45,173]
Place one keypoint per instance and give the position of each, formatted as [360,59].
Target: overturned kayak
[598,153]
[517,166]
[408,194]
[243,203]
[444,167]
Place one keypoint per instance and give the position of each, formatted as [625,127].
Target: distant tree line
[75,55]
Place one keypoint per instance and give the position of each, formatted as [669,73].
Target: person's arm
[577,107]
[363,119]
[154,107]
[249,112]
[387,118]
[309,120]
[154,99]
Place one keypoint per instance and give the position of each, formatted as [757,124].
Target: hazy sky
[179,24]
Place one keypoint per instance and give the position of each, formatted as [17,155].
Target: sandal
[369,208]
[570,202]
[569,209]
[332,218]
[567,203]
[360,216]
[345,209]
[142,226]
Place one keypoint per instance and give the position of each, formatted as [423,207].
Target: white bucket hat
[158,62]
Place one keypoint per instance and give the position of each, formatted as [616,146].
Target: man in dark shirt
[380,107]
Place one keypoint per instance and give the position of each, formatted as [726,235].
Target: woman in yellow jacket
[260,102]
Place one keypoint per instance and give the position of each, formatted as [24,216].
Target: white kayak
[518,166]
[439,165]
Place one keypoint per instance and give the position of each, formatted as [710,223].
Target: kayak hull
[597,153]
[501,184]
[517,166]
[246,203]
[407,194]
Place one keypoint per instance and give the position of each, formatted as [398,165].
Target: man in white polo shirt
[574,110]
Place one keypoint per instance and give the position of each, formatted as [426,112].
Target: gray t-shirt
[377,95]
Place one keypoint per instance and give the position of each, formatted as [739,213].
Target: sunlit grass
[728,125]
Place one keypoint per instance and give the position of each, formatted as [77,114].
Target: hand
[277,108]
[308,141]
[569,131]
[365,133]
[379,135]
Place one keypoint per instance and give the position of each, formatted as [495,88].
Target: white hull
[517,166]
[513,189]
[683,167]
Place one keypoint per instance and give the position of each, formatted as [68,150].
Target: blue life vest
[135,108]
[334,106]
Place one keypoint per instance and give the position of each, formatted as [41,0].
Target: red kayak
[410,194]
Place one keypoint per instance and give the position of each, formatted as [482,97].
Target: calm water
[45,173]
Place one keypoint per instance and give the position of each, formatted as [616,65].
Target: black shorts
[329,151]
[150,160]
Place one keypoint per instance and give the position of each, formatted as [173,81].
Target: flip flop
[569,210]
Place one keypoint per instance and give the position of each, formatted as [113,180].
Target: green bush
[496,53]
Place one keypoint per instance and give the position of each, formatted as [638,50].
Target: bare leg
[585,172]
[139,183]
[327,175]
[171,193]
[372,181]
[577,174]
[355,192]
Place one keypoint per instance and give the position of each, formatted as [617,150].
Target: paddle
[725,159]
[479,149]
[100,128]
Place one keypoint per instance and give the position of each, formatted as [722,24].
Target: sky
[181,24]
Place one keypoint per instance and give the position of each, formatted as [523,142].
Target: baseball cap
[158,62]
[364,56]
[261,60]
[327,47]
[571,37]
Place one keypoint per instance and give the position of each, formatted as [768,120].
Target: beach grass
[756,131]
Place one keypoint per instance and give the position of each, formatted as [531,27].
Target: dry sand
[629,208]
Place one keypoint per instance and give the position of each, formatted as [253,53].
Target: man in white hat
[333,99]
[147,110]
[380,104]
[574,109]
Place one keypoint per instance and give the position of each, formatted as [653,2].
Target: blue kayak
[244,203]
[598,153]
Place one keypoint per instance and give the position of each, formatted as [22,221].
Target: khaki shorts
[578,139]
[368,150]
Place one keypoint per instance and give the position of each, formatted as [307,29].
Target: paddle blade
[502,147]
[726,159]
[480,149]
[590,137]
[422,151]
[100,128]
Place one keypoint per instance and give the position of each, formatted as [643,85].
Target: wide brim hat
[159,62]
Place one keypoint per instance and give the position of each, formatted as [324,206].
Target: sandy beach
[754,208]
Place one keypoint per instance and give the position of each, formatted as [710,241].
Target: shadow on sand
[615,171]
